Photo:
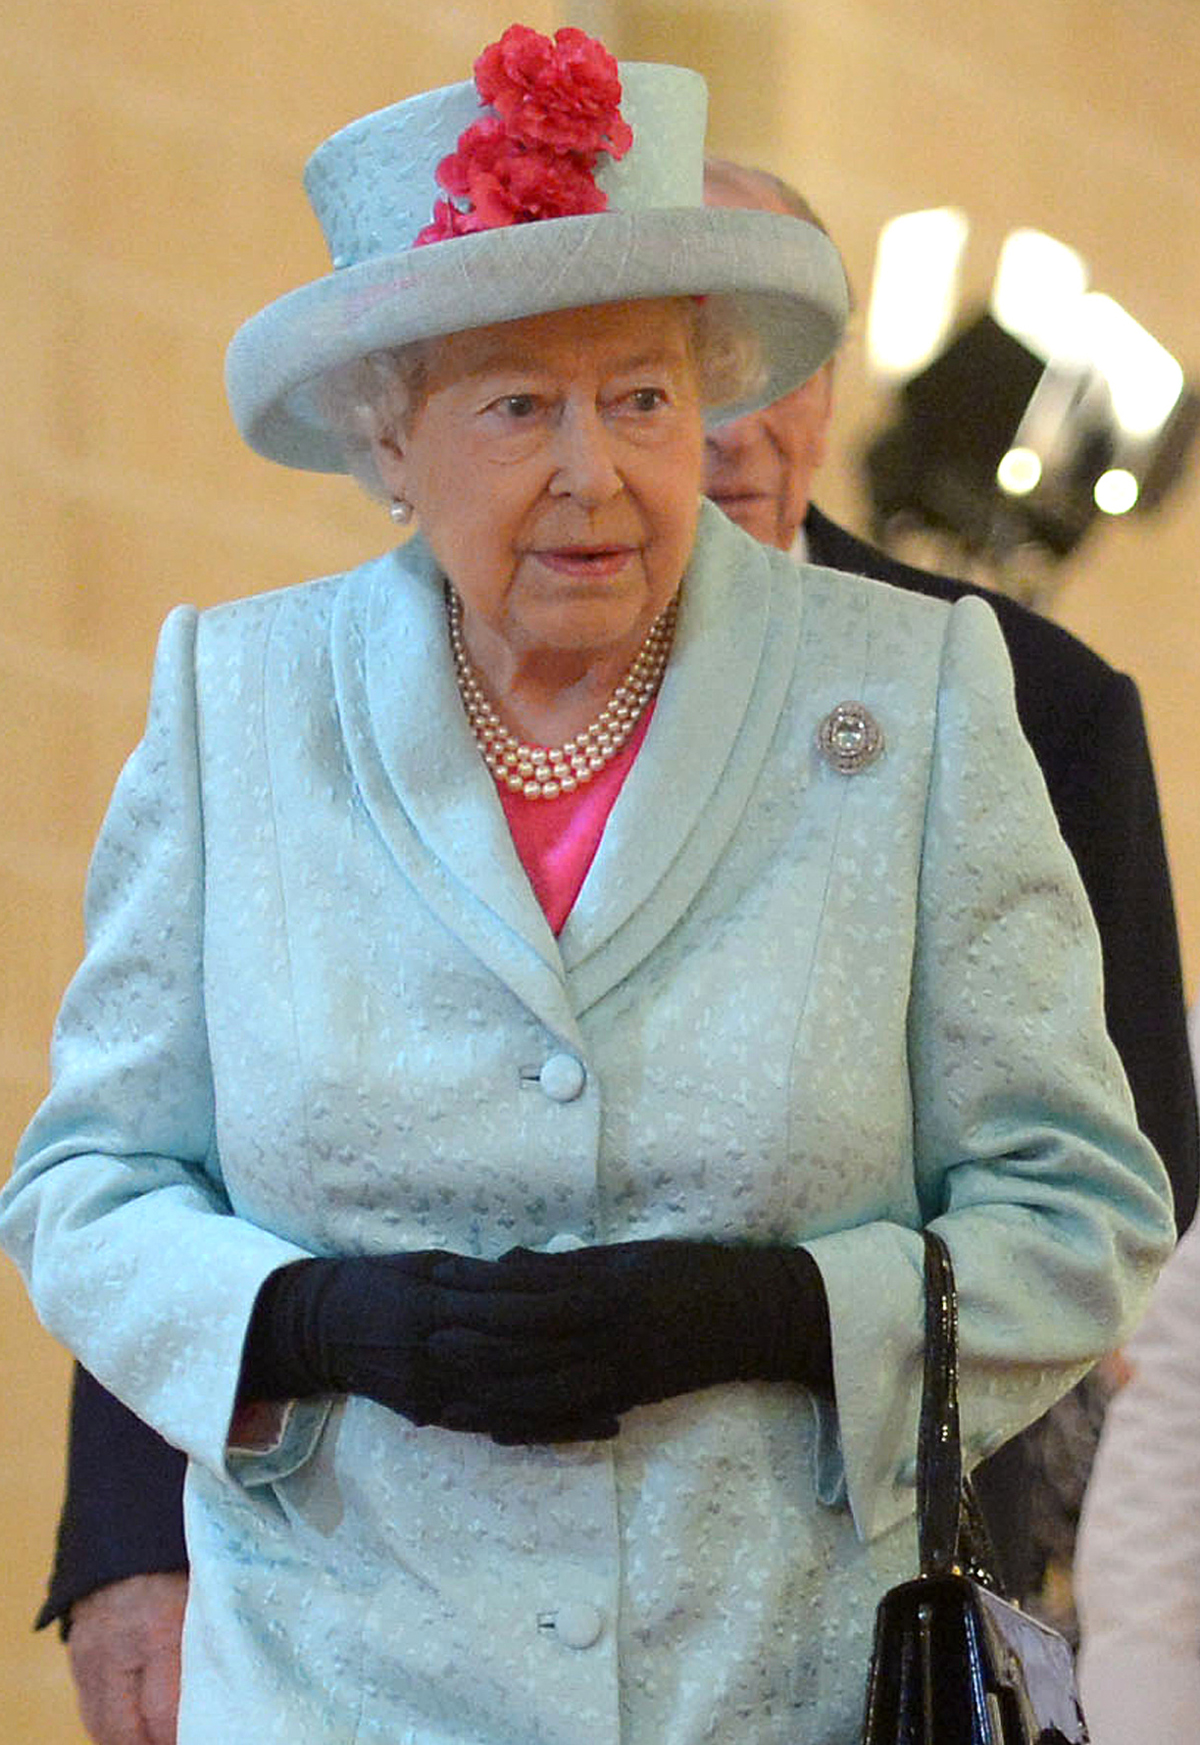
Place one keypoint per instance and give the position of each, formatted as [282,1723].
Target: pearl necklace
[543,772]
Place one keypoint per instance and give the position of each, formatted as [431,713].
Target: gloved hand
[369,1324]
[562,1343]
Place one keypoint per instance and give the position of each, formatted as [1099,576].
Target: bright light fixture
[1143,377]
[1036,292]
[914,290]
[1019,472]
[1115,491]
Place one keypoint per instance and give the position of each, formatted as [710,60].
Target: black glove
[563,1343]
[369,1325]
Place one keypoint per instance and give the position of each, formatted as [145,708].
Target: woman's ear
[387,450]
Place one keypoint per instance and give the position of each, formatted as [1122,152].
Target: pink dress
[556,840]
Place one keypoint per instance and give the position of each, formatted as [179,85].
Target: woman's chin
[589,611]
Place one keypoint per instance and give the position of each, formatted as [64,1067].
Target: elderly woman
[540,983]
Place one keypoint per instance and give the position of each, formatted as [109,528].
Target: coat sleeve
[116,1212]
[122,1514]
[1137,1570]
[1085,723]
[1026,1151]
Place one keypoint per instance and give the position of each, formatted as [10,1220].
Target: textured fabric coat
[1085,723]
[321,1012]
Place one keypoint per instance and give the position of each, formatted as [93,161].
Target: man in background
[120,1574]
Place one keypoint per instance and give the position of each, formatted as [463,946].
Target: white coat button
[577,1624]
[562,1078]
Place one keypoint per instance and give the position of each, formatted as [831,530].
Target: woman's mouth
[586,562]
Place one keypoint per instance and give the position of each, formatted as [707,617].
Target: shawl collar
[734,655]
[435,805]
[423,782]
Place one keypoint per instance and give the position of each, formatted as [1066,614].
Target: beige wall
[149,178]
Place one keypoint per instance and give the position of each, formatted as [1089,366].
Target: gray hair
[370,398]
[376,396]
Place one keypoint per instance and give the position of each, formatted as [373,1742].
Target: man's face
[760,468]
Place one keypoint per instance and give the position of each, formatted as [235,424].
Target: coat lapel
[424,783]
[717,711]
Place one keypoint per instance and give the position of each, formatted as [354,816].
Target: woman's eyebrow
[503,360]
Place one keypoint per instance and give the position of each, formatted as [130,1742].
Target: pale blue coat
[792,1004]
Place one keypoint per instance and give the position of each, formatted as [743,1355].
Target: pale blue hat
[372,186]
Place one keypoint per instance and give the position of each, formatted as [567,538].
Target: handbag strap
[952,1533]
[939,1450]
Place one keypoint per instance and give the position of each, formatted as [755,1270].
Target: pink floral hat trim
[557,107]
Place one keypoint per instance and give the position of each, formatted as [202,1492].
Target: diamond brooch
[850,738]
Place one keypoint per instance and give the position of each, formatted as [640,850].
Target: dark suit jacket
[121,1515]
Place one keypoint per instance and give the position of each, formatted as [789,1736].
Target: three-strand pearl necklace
[543,772]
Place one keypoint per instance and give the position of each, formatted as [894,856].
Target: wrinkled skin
[124,1649]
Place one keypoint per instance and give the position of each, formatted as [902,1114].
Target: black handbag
[954,1663]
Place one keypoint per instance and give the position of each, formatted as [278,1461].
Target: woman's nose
[585,465]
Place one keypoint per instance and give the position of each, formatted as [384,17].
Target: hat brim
[783,277]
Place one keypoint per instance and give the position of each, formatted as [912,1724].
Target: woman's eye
[647,399]
[517,405]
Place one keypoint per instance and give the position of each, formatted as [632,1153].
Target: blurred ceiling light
[1036,292]
[1143,377]
[1115,491]
[914,290]
[1019,472]
[1013,430]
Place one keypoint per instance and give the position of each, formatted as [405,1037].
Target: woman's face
[555,466]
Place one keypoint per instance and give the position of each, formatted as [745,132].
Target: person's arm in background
[1108,811]
[1137,1569]
[119,1581]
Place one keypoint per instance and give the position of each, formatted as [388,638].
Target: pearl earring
[401,511]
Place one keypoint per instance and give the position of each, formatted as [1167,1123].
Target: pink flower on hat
[503,182]
[564,94]
[556,108]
